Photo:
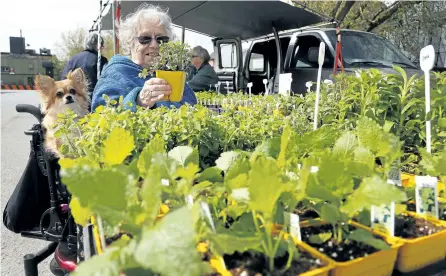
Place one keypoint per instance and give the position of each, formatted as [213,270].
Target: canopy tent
[224,19]
[221,19]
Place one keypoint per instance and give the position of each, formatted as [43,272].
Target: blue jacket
[120,78]
[88,61]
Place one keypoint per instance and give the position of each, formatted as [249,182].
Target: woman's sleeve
[189,95]
[114,86]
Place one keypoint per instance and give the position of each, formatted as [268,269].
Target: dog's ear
[43,82]
[77,76]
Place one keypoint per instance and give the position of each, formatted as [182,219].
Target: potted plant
[171,65]
[424,237]
[346,183]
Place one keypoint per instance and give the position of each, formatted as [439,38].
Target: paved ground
[14,155]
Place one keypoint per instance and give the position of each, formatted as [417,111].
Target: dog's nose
[69,99]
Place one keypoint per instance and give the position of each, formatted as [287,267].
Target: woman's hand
[153,91]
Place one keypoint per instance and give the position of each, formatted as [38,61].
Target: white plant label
[426,195]
[383,218]
[292,224]
[165,182]
[320,60]
[265,81]
[427,60]
[285,84]
[207,214]
[189,200]
[249,88]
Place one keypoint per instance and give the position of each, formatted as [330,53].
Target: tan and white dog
[56,97]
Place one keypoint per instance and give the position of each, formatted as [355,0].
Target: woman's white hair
[129,27]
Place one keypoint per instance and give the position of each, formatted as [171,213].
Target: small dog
[56,97]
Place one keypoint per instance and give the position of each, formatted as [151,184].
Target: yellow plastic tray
[420,252]
[176,79]
[323,271]
[380,263]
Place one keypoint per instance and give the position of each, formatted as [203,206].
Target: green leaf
[245,223]
[265,185]
[184,155]
[315,191]
[156,145]
[366,237]
[330,213]
[237,182]
[151,191]
[169,248]
[97,187]
[345,144]
[212,174]
[118,146]
[388,126]
[226,159]
[230,243]
[106,264]
[269,147]
[442,123]
[372,191]
[320,238]
[239,166]
[281,159]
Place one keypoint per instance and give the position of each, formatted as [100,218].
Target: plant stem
[339,234]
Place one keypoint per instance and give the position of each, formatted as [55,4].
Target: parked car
[299,54]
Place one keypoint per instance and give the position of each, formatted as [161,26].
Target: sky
[43,21]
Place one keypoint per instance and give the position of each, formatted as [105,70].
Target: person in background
[205,77]
[87,60]
[140,35]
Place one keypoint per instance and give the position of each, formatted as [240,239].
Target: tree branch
[335,9]
[347,7]
[387,14]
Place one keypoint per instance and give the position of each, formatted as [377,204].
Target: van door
[303,66]
[228,64]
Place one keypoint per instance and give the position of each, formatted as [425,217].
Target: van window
[361,46]
[300,58]
[256,63]
[228,55]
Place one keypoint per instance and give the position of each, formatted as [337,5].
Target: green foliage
[173,56]
[250,163]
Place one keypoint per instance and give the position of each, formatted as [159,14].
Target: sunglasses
[148,39]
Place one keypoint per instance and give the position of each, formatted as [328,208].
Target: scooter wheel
[56,270]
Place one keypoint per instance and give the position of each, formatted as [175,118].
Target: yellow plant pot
[323,271]
[377,264]
[420,252]
[176,79]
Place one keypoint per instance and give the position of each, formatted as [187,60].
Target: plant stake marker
[320,61]
[427,59]
[383,218]
[426,196]
[265,81]
[207,213]
[285,81]
[292,224]
[249,88]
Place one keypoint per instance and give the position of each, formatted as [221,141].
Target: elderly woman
[205,77]
[140,36]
